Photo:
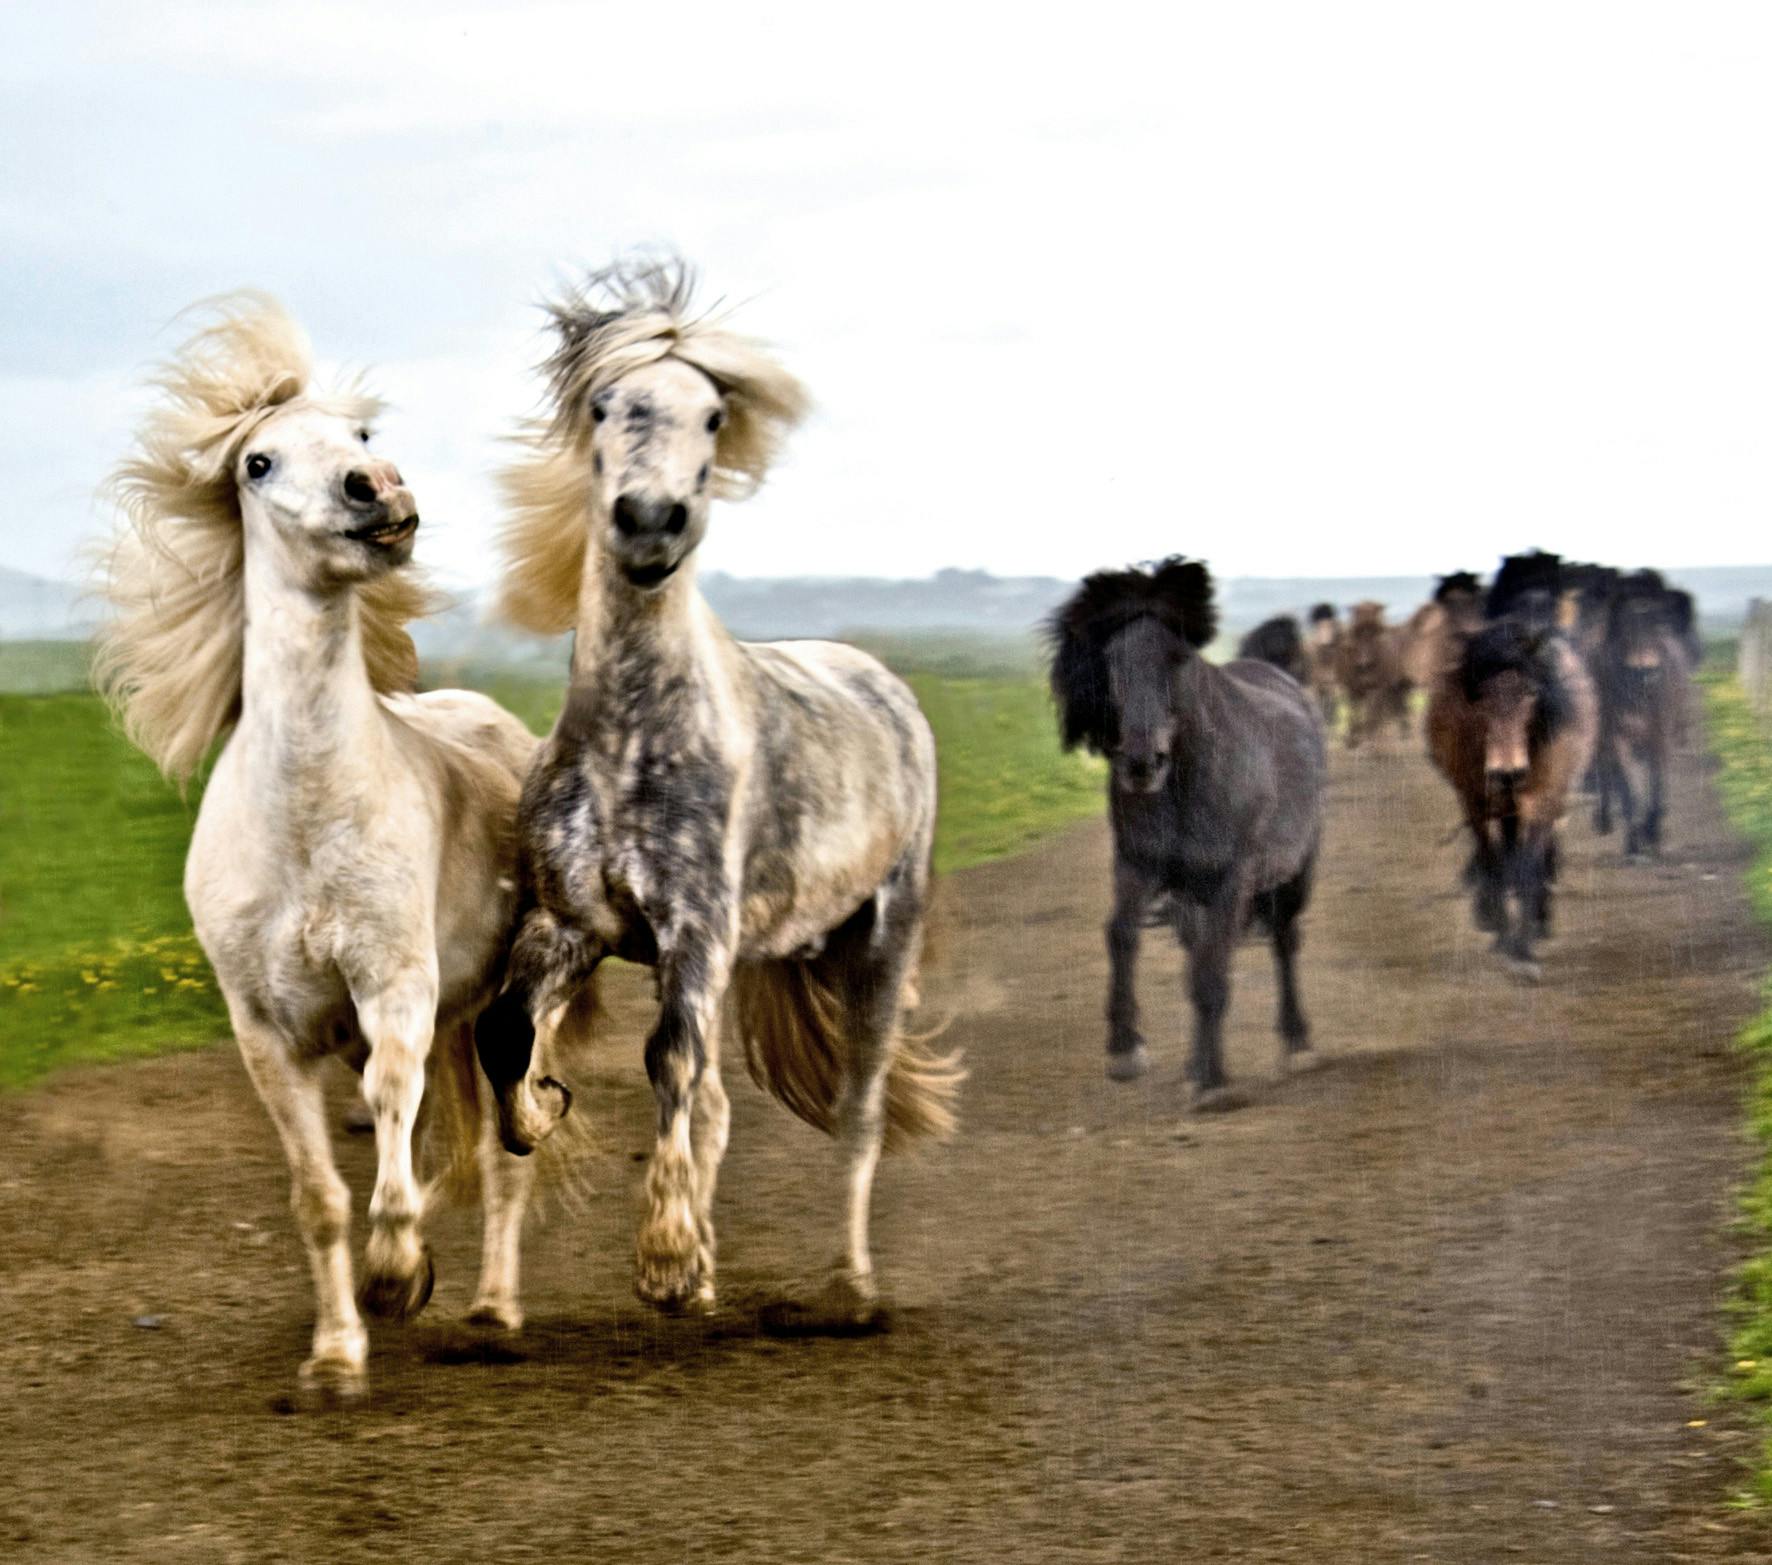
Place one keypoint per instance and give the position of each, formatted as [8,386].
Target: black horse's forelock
[1508,647]
[1539,571]
[1458,584]
[1321,611]
[1176,591]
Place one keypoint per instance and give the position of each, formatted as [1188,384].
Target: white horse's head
[667,410]
[238,456]
[309,486]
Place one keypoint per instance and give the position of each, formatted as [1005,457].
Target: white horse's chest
[298,919]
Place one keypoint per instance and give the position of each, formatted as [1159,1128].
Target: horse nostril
[627,517]
[678,519]
[358,488]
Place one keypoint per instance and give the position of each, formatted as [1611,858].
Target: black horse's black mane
[1506,646]
[1521,574]
[1458,584]
[1322,611]
[1177,592]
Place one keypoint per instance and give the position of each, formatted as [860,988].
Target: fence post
[1752,656]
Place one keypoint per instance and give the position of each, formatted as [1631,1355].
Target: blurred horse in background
[1436,632]
[1277,641]
[1511,725]
[350,874]
[1641,671]
[1370,671]
[1323,652]
[1215,794]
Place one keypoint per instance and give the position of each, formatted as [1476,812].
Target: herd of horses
[414,883]
[1555,677]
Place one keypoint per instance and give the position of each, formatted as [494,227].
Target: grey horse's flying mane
[617,320]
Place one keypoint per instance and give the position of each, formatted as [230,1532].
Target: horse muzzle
[393,521]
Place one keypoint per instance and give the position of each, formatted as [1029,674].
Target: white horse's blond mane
[169,662]
[617,321]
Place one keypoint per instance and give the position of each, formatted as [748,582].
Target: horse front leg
[1127,1058]
[1527,867]
[1210,935]
[290,1088]
[693,973]
[1627,804]
[516,1036]
[397,1021]
[1657,781]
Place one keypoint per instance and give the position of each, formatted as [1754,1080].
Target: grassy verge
[1743,743]
[97,957]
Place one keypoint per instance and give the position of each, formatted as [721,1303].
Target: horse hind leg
[291,1092]
[1279,911]
[864,966]
[506,1181]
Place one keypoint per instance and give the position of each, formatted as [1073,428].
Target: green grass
[97,957]
[1743,743]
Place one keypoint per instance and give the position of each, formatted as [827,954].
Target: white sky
[1301,289]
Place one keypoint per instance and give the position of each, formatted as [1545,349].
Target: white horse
[350,874]
[757,817]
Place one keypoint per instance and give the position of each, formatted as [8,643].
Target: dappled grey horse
[752,820]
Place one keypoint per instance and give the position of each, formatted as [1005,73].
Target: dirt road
[1453,1298]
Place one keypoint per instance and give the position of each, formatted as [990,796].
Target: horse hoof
[528,1117]
[496,1315]
[1218,1100]
[394,1298]
[1301,1062]
[669,1294]
[1523,970]
[839,1309]
[1128,1064]
[325,1382]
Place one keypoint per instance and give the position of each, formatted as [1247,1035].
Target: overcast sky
[1301,289]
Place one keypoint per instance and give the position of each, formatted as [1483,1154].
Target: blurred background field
[97,957]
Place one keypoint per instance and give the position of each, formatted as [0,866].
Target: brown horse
[1640,668]
[1511,726]
[1370,670]
[1434,638]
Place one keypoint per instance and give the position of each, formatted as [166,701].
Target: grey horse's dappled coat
[1216,793]
[748,820]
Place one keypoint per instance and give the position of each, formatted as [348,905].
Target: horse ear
[1079,681]
[1186,585]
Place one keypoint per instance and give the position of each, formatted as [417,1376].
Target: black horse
[1216,794]
[1280,642]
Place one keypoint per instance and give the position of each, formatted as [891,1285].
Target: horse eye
[715,420]
[598,412]
[363,435]
[257,465]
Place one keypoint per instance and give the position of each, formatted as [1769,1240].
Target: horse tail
[794,1015]
[453,1110]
